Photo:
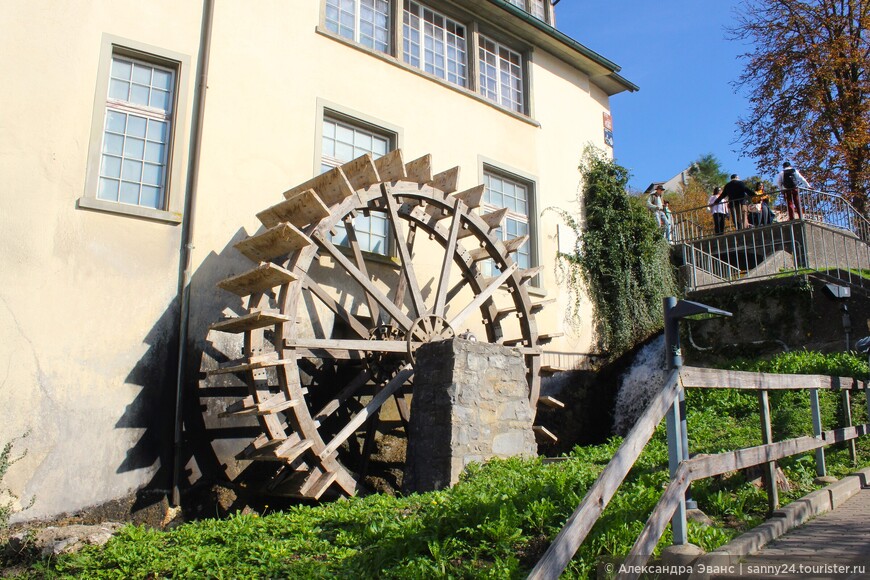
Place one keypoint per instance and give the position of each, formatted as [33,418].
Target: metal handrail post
[815,409]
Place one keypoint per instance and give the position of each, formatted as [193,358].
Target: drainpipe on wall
[187,239]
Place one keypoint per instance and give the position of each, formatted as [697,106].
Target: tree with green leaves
[708,172]
[808,80]
[621,261]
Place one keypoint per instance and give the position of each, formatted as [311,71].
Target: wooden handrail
[696,377]
[708,466]
[578,526]
[568,541]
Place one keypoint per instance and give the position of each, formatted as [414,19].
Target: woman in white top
[719,211]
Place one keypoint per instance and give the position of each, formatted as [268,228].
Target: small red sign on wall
[608,129]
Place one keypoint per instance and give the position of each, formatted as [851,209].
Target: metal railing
[790,248]
[831,240]
[816,206]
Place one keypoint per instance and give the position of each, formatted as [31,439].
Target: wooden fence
[672,504]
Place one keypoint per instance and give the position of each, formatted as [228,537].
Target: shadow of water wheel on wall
[320,365]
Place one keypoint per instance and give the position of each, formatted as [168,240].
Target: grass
[498,520]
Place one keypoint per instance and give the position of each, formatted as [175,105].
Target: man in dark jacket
[738,196]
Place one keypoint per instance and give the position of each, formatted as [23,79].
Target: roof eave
[601,71]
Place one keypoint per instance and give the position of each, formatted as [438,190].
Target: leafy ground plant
[496,523]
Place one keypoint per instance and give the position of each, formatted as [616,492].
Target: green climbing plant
[620,261]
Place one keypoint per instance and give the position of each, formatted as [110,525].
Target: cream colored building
[120,167]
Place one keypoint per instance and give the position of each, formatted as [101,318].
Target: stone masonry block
[470,405]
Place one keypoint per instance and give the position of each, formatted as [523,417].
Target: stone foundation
[470,404]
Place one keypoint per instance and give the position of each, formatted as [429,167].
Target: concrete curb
[784,519]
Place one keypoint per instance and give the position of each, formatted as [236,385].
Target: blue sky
[676,52]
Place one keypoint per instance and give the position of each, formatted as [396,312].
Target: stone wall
[470,404]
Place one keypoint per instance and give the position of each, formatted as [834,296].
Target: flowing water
[639,384]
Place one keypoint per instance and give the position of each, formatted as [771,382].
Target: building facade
[140,140]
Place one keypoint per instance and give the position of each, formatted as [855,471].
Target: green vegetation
[498,521]
[621,258]
[7,498]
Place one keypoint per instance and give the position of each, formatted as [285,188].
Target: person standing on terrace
[738,195]
[655,205]
[788,181]
[719,209]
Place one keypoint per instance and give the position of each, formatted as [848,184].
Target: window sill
[402,65]
[129,210]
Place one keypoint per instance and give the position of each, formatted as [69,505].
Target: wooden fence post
[867,399]
[821,471]
[770,466]
[675,456]
[847,420]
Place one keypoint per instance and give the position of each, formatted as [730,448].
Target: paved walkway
[833,545]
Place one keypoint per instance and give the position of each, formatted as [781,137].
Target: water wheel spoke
[396,224]
[447,264]
[344,394]
[398,316]
[402,285]
[391,387]
[347,345]
[369,443]
[360,263]
[484,295]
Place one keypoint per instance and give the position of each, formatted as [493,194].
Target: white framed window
[434,43]
[136,130]
[343,141]
[501,74]
[136,153]
[504,191]
[364,21]
[536,8]
[539,9]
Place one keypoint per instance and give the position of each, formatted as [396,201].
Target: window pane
[142,74]
[344,134]
[129,193]
[131,170]
[139,95]
[327,147]
[116,122]
[113,144]
[134,148]
[121,69]
[108,189]
[157,131]
[150,196]
[328,129]
[111,166]
[160,100]
[136,126]
[379,147]
[151,174]
[154,152]
[343,151]
[119,90]
[162,80]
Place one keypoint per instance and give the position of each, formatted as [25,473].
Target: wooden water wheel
[329,333]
